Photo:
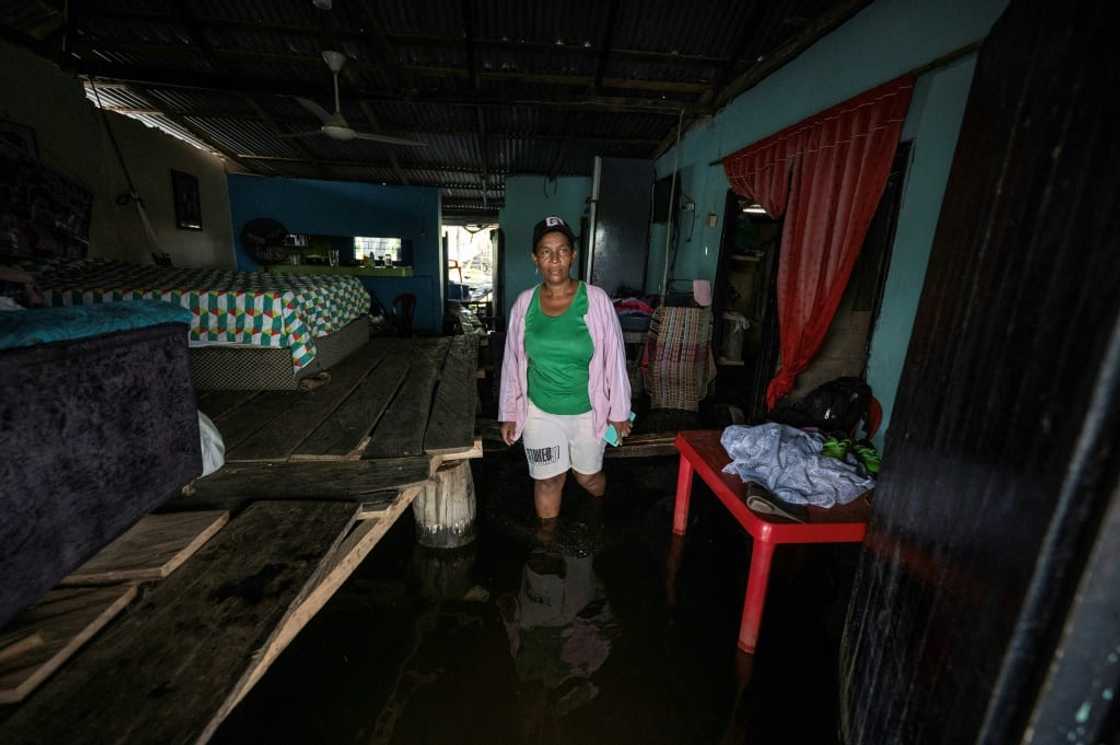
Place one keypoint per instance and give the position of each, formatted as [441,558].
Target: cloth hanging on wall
[677,363]
[824,176]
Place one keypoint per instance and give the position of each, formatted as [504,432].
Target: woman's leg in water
[547,494]
[594,483]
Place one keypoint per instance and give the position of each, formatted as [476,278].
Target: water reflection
[560,628]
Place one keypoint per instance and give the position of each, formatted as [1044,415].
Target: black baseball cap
[552,224]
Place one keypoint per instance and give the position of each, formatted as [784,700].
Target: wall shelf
[353,271]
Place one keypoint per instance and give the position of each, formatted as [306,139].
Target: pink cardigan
[608,385]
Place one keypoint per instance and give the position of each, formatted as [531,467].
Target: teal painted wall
[885,40]
[529,199]
[936,123]
[347,208]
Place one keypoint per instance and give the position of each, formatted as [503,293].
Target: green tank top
[559,350]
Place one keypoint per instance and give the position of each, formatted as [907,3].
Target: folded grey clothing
[788,461]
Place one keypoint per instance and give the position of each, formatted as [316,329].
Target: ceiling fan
[335,125]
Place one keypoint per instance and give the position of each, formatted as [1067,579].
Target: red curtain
[825,176]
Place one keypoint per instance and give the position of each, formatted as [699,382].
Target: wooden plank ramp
[400,432]
[61,622]
[177,663]
[451,425]
[151,549]
[337,568]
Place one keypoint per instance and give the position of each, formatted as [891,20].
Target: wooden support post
[445,509]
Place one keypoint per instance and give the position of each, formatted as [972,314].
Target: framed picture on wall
[188,205]
[18,140]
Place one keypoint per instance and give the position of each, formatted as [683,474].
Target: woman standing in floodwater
[564,375]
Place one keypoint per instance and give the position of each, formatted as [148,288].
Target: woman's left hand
[622,428]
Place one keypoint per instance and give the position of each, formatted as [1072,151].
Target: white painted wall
[72,140]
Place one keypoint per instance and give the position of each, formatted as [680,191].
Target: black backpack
[834,407]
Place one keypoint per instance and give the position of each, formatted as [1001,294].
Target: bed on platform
[100,427]
[248,330]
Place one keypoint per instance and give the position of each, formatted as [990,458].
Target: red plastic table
[702,454]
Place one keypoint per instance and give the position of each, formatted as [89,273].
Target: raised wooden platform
[394,398]
[312,481]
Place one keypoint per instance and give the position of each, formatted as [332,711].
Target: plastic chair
[404,305]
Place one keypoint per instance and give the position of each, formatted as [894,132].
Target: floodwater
[603,630]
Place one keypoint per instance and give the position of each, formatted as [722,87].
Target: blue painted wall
[529,199]
[885,40]
[353,208]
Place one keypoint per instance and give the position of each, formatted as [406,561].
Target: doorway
[746,287]
[472,274]
[847,347]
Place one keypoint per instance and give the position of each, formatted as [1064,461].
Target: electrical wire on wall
[132,195]
[669,258]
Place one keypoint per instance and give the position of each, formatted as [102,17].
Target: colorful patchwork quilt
[226,307]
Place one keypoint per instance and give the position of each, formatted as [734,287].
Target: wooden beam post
[605,47]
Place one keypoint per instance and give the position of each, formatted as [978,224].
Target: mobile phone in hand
[611,435]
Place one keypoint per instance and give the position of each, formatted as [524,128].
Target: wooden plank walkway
[151,549]
[401,430]
[451,425]
[43,637]
[393,398]
[163,671]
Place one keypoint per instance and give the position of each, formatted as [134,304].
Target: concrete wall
[529,199]
[344,208]
[885,40]
[72,140]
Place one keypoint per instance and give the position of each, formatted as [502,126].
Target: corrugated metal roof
[223,73]
[705,27]
[574,23]
[239,136]
[422,17]
[356,151]
[185,101]
[114,97]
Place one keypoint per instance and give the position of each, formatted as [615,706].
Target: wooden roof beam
[162,77]
[605,46]
[469,11]
[819,27]
[428,40]
[763,68]
[444,167]
[380,129]
[399,73]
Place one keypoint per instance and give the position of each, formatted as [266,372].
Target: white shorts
[556,442]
